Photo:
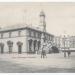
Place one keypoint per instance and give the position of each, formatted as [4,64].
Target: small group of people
[68,53]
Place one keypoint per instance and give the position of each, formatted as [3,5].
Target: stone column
[32,46]
[27,42]
[27,46]
[36,47]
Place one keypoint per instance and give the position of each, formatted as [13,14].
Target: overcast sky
[60,17]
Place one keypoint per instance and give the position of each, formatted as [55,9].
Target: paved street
[23,63]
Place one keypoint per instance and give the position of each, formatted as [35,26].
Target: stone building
[22,39]
[65,42]
[72,42]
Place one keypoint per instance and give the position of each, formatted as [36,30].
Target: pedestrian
[43,54]
[65,54]
[68,53]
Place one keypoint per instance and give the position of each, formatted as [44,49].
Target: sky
[60,17]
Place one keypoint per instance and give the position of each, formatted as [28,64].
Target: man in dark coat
[68,53]
[43,53]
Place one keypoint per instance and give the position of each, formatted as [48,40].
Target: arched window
[19,47]
[10,45]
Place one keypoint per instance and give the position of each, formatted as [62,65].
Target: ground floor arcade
[32,46]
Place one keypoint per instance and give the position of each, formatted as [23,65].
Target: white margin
[37,0]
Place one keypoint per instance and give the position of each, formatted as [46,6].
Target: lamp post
[43,24]
[64,39]
[68,42]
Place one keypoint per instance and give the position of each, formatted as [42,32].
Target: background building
[65,42]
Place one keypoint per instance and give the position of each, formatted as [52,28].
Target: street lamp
[64,39]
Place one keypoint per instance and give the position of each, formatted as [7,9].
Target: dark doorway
[30,46]
[35,42]
[39,44]
[10,49]
[19,49]
[10,45]
[2,48]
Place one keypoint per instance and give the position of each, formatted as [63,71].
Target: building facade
[23,39]
[65,42]
[72,42]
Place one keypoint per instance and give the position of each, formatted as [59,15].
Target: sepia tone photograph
[37,37]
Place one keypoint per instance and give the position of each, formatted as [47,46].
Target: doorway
[2,48]
[10,45]
[19,47]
